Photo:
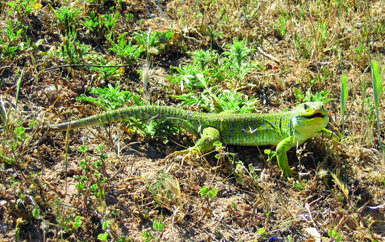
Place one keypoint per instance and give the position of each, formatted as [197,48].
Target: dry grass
[125,190]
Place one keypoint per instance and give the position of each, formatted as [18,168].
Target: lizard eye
[305,106]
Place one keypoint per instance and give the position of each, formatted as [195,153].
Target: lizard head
[309,118]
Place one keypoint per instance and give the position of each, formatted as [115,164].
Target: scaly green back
[235,129]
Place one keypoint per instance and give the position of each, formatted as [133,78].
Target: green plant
[66,221]
[362,53]
[93,22]
[166,193]
[11,41]
[270,154]
[103,236]
[72,51]
[204,71]
[300,185]
[154,42]
[207,193]
[377,90]
[230,100]
[106,70]
[237,62]
[321,96]
[68,17]
[262,233]
[147,236]
[158,224]
[281,25]
[13,145]
[22,8]
[344,97]
[205,59]
[77,223]
[321,34]
[334,234]
[92,179]
[109,21]
[215,99]
[128,52]
[110,97]
[303,44]
[192,77]
[368,113]
[106,224]
[213,35]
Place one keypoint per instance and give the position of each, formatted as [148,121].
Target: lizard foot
[181,155]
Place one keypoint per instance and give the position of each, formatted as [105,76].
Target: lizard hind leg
[209,140]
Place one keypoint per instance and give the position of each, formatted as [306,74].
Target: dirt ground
[129,186]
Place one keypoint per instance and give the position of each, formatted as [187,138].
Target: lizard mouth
[316,115]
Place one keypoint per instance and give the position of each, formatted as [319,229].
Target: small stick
[83,65]
[268,55]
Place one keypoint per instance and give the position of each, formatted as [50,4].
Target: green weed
[262,233]
[321,96]
[208,194]
[205,70]
[321,34]
[303,44]
[68,17]
[192,77]
[91,182]
[158,224]
[213,36]
[300,185]
[377,91]
[110,97]
[22,8]
[106,70]
[103,236]
[128,52]
[93,22]
[368,113]
[106,224]
[109,21]
[334,234]
[215,99]
[205,60]
[147,236]
[280,25]
[237,62]
[14,145]
[72,51]
[11,41]
[154,42]
[166,193]
[344,97]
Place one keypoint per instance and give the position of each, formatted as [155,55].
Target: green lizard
[284,130]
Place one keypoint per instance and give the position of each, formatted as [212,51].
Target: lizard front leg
[281,152]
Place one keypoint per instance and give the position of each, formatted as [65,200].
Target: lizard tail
[137,112]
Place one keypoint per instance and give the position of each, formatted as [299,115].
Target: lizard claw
[289,173]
